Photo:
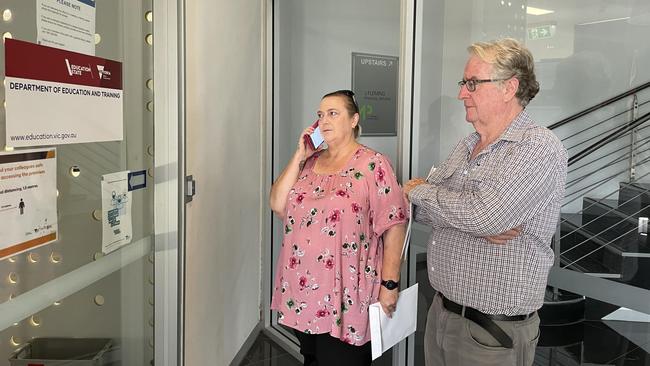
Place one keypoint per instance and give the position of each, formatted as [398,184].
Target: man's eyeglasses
[471,83]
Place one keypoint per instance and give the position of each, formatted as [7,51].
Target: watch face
[390,284]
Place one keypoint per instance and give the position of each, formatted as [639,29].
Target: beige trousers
[451,340]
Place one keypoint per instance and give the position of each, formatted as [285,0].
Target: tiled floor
[595,343]
[599,344]
[265,352]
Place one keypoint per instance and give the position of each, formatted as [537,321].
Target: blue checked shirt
[518,180]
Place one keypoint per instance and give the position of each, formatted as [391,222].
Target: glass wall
[585,52]
[76,287]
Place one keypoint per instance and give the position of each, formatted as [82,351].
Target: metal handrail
[609,138]
[587,141]
[571,183]
[602,122]
[581,192]
[599,105]
[603,137]
[645,141]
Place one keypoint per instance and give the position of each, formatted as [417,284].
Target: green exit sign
[541,32]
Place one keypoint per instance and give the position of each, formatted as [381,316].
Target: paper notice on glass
[28,216]
[386,332]
[69,24]
[116,211]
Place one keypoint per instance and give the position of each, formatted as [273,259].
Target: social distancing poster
[28,214]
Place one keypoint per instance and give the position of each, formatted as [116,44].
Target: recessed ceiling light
[537,11]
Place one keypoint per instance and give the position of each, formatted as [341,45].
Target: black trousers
[325,350]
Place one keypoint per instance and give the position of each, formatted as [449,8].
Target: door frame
[169,210]
[404,351]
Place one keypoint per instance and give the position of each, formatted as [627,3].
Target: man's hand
[505,236]
[388,300]
[408,186]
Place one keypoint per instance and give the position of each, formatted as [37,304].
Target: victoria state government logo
[103,74]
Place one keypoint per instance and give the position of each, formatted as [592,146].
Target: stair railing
[606,159]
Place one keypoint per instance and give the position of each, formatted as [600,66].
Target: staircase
[607,191]
[604,240]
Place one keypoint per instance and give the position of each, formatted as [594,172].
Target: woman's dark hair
[350,105]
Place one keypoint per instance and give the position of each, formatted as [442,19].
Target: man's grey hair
[509,59]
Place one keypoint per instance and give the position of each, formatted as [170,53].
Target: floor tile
[264,348]
[556,356]
[638,357]
[637,332]
[282,360]
[598,343]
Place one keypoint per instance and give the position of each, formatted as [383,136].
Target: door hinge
[190,188]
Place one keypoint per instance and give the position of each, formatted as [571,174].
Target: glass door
[87,287]
[316,46]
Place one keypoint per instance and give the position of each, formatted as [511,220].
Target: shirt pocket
[482,171]
[441,174]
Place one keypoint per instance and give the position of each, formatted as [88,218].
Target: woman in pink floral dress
[344,216]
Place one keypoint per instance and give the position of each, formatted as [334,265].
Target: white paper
[386,332]
[66,24]
[28,215]
[116,211]
[407,237]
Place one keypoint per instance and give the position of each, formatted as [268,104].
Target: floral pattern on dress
[329,267]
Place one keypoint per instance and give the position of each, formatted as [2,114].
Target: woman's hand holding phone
[316,138]
[306,144]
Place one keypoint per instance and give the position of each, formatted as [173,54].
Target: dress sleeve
[387,204]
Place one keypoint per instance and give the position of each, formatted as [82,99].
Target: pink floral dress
[329,269]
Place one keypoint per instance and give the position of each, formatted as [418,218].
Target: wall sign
[59,97]
[374,82]
[28,217]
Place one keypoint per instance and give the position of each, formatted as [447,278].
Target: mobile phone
[315,139]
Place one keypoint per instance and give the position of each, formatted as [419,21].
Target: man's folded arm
[498,203]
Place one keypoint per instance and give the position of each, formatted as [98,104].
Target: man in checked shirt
[493,205]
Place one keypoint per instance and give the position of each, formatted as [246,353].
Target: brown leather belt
[486,321]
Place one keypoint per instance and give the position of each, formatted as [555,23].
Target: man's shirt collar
[514,133]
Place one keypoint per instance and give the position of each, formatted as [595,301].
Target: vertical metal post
[633,138]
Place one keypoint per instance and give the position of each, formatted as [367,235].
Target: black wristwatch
[390,284]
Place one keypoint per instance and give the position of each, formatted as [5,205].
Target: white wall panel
[224,154]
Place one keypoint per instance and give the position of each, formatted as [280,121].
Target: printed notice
[28,216]
[66,24]
[116,211]
[59,97]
